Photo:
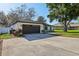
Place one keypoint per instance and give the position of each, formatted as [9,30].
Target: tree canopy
[63,12]
[21,13]
[41,19]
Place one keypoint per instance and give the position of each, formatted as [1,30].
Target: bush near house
[17,33]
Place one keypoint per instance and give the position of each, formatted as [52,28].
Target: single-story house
[4,29]
[58,26]
[72,26]
[28,27]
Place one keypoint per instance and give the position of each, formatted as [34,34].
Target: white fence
[4,30]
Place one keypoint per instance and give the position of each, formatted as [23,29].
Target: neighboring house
[72,26]
[58,26]
[4,29]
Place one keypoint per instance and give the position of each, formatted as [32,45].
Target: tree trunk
[65,26]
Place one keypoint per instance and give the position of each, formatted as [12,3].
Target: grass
[5,36]
[70,33]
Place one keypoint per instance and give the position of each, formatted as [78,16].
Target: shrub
[17,32]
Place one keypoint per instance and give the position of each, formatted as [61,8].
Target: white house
[28,27]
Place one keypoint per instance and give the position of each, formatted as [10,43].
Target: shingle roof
[26,21]
[76,24]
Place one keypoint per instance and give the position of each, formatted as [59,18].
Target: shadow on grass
[72,32]
[55,34]
[31,37]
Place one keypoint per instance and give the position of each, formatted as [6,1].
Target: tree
[3,19]
[63,12]
[41,19]
[21,13]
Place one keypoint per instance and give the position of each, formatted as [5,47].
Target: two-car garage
[28,29]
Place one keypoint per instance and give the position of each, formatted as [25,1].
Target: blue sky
[40,8]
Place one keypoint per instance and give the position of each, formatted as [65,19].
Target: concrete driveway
[41,45]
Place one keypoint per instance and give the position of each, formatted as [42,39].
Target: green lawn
[70,33]
[5,36]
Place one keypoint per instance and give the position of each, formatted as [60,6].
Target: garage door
[27,29]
